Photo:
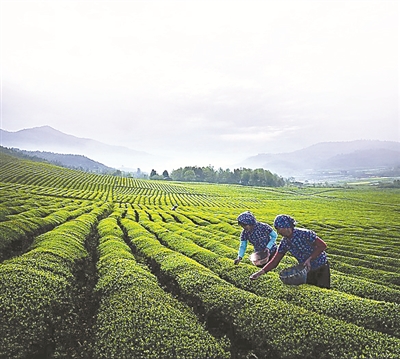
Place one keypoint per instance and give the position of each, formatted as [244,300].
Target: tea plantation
[98,266]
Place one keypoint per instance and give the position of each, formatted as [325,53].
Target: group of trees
[243,176]
[394,184]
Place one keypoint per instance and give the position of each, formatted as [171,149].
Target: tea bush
[138,314]
[37,304]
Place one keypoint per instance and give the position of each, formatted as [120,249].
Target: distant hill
[78,162]
[47,139]
[330,156]
[71,161]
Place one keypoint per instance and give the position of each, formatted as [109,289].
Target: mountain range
[48,139]
[310,162]
[323,157]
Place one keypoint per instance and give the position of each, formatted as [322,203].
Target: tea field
[98,266]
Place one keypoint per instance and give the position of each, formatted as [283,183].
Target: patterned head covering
[284,221]
[247,218]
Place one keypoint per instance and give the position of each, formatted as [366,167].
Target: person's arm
[269,266]
[241,252]
[319,247]
[272,239]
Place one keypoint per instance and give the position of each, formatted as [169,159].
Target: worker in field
[305,246]
[261,235]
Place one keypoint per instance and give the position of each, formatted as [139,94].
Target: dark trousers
[321,277]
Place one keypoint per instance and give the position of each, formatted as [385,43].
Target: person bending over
[305,246]
[261,235]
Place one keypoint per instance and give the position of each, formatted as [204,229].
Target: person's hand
[255,275]
[307,263]
[237,260]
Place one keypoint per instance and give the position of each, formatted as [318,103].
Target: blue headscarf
[284,221]
[247,218]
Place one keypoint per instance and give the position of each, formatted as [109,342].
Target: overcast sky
[205,82]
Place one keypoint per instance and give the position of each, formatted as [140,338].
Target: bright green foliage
[28,225]
[184,259]
[37,291]
[138,314]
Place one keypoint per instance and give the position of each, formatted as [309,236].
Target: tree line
[242,176]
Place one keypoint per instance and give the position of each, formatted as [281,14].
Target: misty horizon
[307,162]
[198,80]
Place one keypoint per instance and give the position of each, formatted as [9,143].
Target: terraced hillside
[99,266]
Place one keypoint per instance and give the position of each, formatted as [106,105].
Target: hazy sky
[205,82]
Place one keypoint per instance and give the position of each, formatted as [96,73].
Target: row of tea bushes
[364,288]
[380,316]
[282,330]
[390,279]
[373,255]
[10,208]
[32,173]
[138,314]
[45,179]
[16,233]
[375,263]
[37,292]
[365,243]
